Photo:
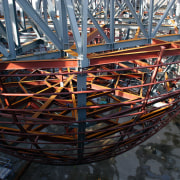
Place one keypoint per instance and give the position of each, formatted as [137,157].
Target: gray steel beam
[36,5]
[2,30]
[150,13]
[22,19]
[52,13]
[97,6]
[81,102]
[13,16]
[38,56]
[31,45]
[3,50]
[98,27]
[112,33]
[35,28]
[140,9]
[120,9]
[106,9]
[137,18]
[178,14]
[158,5]
[74,26]
[61,12]
[169,37]
[117,45]
[135,26]
[45,7]
[40,22]
[163,17]
[9,29]
[84,13]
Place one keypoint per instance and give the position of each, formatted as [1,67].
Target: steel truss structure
[86,80]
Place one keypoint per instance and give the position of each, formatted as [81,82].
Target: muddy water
[158,158]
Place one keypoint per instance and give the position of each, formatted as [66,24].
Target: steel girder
[82,81]
[61,22]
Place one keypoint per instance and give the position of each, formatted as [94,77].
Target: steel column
[74,26]
[112,21]
[61,12]
[163,17]
[13,16]
[39,21]
[81,98]
[9,29]
[151,12]
[136,17]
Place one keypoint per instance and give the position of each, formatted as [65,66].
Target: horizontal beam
[150,51]
[28,46]
[134,56]
[54,54]
[116,45]
[58,63]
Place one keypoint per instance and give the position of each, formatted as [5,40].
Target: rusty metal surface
[83,81]
[127,102]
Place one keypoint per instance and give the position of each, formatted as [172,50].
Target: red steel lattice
[130,96]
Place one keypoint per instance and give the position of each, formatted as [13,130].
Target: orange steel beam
[149,47]
[127,95]
[133,56]
[137,33]
[41,103]
[49,101]
[42,135]
[150,51]
[37,64]
[156,43]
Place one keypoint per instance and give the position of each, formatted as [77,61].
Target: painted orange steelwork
[130,96]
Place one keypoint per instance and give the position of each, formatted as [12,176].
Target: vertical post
[106,7]
[2,30]
[9,30]
[61,12]
[135,5]
[72,18]
[141,9]
[169,6]
[84,15]
[93,4]
[178,13]
[151,10]
[138,19]
[112,21]
[40,22]
[81,81]
[13,16]
[45,6]
[35,5]
[52,13]
[81,98]
[23,20]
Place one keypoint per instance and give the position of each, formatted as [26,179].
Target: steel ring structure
[86,80]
